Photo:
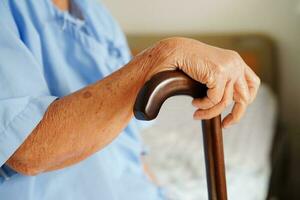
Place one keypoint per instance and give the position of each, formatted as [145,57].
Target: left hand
[224,72]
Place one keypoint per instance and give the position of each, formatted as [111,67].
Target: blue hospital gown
[45,54]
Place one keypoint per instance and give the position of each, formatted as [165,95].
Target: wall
[278,18]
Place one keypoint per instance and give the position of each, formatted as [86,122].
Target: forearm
[81,123]
[78,125]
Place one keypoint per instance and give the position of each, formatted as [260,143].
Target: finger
[215,93]
[236,114]
[202,103]
[217,109]
[241,98]
[253,83]
[241,91]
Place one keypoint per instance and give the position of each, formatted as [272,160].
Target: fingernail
[226,121]
[225,125]
[194,104]
[195,117]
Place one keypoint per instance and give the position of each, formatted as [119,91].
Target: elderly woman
[67,91]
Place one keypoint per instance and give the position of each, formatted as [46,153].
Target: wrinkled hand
[224,72]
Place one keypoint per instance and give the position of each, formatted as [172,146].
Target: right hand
[224,72]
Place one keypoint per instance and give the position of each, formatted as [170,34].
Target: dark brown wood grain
[170,83]
[214,158]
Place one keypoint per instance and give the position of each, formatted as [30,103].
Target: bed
[175,140]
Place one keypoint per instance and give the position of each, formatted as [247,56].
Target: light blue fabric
[46,54]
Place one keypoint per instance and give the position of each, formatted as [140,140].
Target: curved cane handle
[170,83]
[162,86]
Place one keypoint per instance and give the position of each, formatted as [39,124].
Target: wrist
[142,67]
[160,57]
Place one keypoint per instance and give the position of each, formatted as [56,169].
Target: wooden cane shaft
[214,159]
[167,84]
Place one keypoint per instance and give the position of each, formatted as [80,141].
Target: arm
[76,126]
[81,123]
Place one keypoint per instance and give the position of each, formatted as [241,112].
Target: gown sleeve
[24,94]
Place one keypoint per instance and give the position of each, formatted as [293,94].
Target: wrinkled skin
[84,122]
[227,76]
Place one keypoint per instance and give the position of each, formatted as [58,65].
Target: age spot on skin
[87,94]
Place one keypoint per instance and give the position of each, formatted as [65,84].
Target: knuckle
[234,53]
[219,69]
[257,80]
[219,72]
[235,56]
[245,99]
[171,42]
[235,61]
[166,45]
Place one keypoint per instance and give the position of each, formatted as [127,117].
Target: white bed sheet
[176,151]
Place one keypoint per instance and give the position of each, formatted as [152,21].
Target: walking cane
[170,83]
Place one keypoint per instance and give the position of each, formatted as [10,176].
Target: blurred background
[267,34]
